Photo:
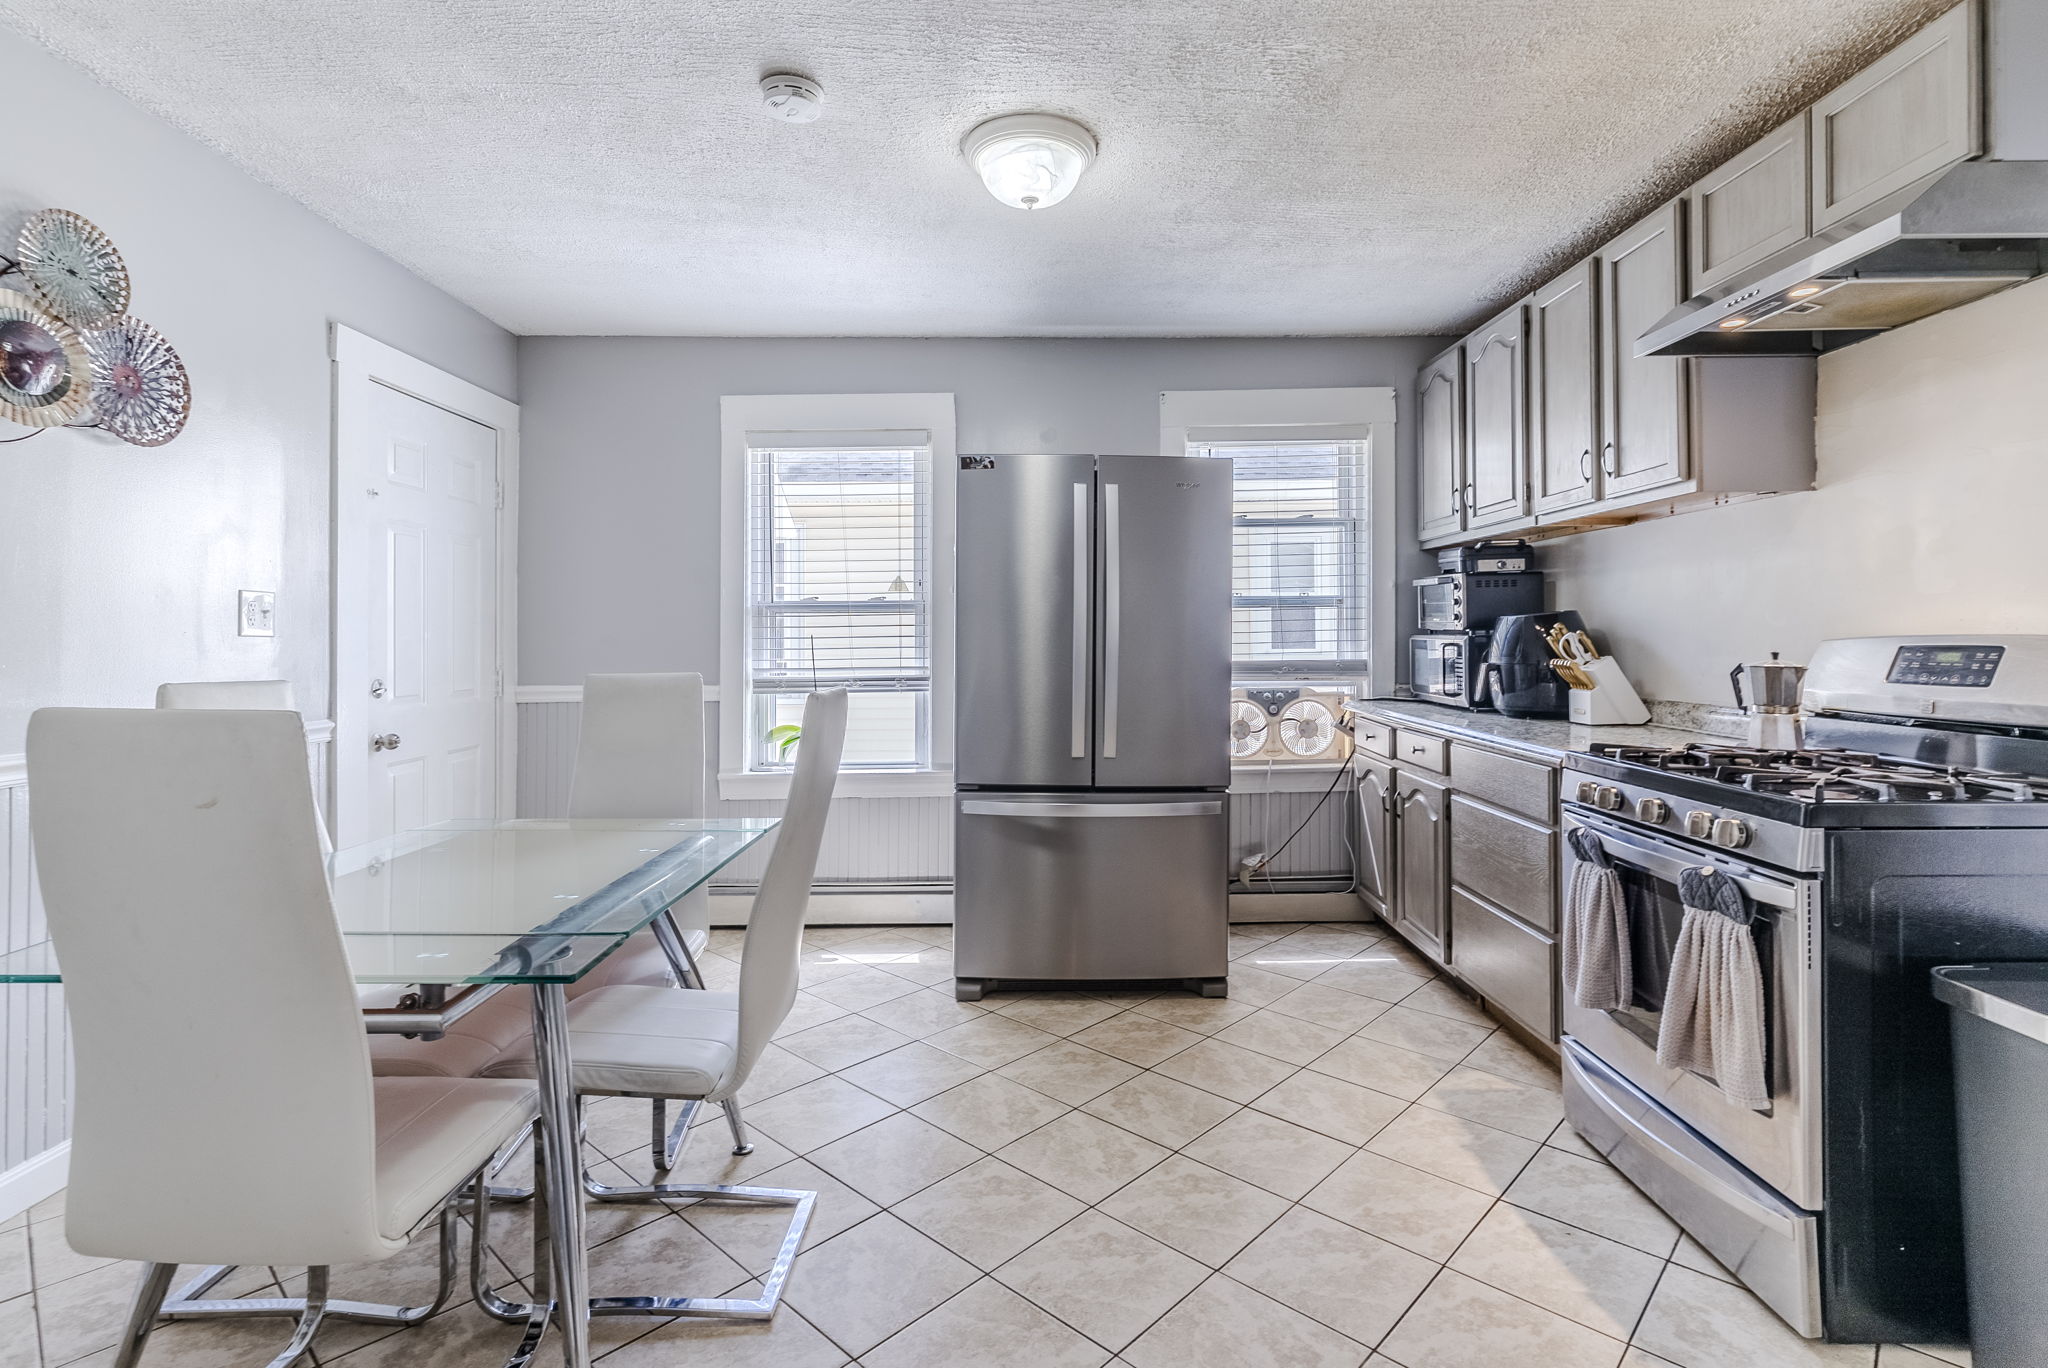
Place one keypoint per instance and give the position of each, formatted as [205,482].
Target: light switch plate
[258,613]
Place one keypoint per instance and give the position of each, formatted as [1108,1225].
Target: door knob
[387,742]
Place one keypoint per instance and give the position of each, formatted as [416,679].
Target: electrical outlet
[257,613]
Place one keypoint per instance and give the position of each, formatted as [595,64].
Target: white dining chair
[473,1039]
[214,996]
[264,695]
[635,1040]
[640,753]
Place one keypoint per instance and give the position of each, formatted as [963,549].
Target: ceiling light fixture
[1029,161]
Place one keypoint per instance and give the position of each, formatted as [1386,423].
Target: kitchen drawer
[1421,750]
[1374,736]
[1506,860]
[1512,967]
[1523,786]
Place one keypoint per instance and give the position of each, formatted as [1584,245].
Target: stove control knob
[1609,799]
[1587,790]
[1699,825]
[1731,833]
[1653,810]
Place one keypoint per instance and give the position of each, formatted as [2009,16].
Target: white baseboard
[31,1180]
[936,909]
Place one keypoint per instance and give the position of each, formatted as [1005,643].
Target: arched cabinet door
[1496,422]
[1440,398]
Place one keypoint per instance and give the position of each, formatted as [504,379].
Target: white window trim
[740,414]
[1303,415]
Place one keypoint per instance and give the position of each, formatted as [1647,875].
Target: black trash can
[1998,1017]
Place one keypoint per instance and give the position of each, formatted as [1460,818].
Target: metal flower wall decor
[70,354]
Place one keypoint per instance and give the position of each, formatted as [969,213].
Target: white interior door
[418,705]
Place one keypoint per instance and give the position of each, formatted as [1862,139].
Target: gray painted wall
[119,565]
[619,480]
[1932,480]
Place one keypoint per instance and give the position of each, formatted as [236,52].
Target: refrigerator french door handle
[1112,616]
[1081,548]
[993,807]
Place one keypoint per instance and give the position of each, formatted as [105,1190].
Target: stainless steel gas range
[1911,832]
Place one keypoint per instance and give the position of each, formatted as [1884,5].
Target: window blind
[839,595]
[1298,600]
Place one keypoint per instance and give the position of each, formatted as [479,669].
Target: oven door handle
[1667,861]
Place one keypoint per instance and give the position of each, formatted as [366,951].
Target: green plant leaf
[784,738]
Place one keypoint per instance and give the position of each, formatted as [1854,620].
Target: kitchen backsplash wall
[1927,516]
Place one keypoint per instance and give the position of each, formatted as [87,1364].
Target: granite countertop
[1551,738]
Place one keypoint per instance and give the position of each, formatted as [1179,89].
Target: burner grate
[1826,775]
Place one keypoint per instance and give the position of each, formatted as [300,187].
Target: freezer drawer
[1081,886]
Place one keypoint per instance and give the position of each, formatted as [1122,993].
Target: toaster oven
[1470,603]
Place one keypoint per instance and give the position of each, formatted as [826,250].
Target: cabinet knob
[1586,466]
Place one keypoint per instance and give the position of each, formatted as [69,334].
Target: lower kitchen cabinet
[1507,963]
[1374,837]
[1510,861]
[1422,863]
[1463,865]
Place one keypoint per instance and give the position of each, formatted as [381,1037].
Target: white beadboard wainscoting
[35,1052]
[909,841]
[35,1040]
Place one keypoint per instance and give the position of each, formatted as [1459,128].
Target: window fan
[1287,726]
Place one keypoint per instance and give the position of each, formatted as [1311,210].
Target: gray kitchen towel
[1596,966]
[1714,1005]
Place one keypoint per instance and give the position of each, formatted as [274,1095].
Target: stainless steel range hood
[1960,234]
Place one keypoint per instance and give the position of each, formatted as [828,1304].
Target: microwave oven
[1449,667]
[1471,603]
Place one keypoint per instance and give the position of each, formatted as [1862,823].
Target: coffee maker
[1772,702]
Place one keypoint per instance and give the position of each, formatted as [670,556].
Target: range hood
[1971,230]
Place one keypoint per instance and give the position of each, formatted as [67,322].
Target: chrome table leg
[556,1076]
[676,946]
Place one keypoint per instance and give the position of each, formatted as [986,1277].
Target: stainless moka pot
[1772,701]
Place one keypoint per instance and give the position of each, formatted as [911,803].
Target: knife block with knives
[1600,693]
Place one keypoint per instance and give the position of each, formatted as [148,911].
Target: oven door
[1780,1144]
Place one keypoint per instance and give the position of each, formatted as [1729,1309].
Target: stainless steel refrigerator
[1091,760]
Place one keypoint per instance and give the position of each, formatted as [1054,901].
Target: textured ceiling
[1266,167]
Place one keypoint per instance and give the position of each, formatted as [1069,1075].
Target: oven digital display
[1966,667]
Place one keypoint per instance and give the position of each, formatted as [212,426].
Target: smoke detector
[790,98]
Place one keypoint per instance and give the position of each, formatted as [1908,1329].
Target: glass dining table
[461,910]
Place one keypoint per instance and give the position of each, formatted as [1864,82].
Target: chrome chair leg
[149,1295]
[668,1140]
[191,1303]
[740,1143]
[310,1318]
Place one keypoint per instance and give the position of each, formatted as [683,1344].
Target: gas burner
[1825,775]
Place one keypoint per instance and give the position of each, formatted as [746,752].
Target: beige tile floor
[1344,1163]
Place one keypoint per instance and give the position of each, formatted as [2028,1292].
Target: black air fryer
[1519,680]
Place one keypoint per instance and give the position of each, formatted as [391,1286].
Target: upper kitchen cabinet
[1440,397]
[1755,205]
[1564,412]
[1558,405]
[1910,114]
[1496,424]
[1643,398]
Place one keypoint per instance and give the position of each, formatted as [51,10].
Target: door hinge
[501,496]
[498,681]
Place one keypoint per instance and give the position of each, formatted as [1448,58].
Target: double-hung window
[1312,520]
[838,583]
